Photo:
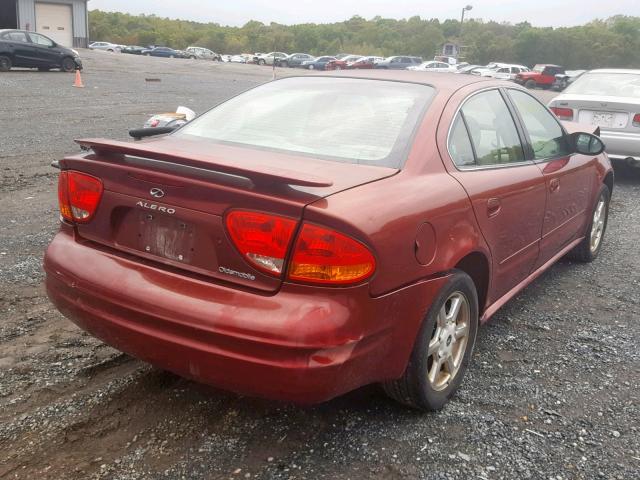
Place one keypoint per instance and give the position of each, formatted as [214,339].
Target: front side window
[341,119]
[40,40]
[545,134]
[492,129]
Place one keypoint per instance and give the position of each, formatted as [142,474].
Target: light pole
[465,9]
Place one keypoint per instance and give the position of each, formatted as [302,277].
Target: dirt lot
[553,392]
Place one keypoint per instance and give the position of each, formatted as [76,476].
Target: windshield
[343,119]
[607,84]
[539,68]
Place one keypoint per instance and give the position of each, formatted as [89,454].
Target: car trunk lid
[164,199]
[606,112]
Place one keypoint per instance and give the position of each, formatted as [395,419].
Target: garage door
[55,21]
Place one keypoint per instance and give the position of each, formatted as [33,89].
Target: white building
[64,21]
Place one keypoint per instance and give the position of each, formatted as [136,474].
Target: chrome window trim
[495,166]
[483,167]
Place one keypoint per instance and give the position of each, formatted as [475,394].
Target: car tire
[311,67]
[589,248]
[284,64]
[338,67]
[147,54]
[530,84]
[425,384]
[193,57]
[5,63]
[110,50]
[172,56]
[68,65]
[261,61]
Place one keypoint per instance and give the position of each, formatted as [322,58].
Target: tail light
[636,120]
[262,239]
[78,195]
[326,256]
[562,113]
[320,255]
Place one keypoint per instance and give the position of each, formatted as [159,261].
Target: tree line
[614,42]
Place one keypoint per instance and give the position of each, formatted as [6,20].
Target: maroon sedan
[343,63]
[364,63]
[320,233]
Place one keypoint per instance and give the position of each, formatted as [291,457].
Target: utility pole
[465,9]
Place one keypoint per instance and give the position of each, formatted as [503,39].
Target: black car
[19,48]
[134,49]
[163,52]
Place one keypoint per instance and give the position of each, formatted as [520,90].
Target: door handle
[493,207]
[554,185]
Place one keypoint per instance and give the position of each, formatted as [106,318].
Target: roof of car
[441,81]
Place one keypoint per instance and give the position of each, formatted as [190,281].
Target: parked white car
[433,66]
[501,71]
[106,46]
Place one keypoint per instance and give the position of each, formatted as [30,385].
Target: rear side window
[492,129]
[16,37]
[545,134]
[343,119]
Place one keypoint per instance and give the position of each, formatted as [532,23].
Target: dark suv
[19,48]
[398,63]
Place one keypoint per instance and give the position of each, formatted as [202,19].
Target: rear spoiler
[256,171]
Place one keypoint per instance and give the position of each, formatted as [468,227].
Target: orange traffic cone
[78,83]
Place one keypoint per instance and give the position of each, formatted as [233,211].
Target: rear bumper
[303,344]
[621,145]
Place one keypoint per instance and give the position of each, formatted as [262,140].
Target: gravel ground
[553,391]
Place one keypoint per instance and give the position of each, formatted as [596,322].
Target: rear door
[20,45]
[569,177]
[507,191]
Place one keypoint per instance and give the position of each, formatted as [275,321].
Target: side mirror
[586,143]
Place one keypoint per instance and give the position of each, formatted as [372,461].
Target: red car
[542,76]
[342,63]
[364,63]
[298,253]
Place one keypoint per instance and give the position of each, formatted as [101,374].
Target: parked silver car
[201,53]
[609,99]
[106,46]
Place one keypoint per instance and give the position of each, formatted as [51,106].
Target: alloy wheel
[597,224]
[448,341]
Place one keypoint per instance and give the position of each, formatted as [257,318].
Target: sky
[551,13]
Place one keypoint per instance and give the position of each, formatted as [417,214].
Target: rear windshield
[607,84]
[343,119]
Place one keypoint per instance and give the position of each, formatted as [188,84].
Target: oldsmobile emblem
[156,192]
